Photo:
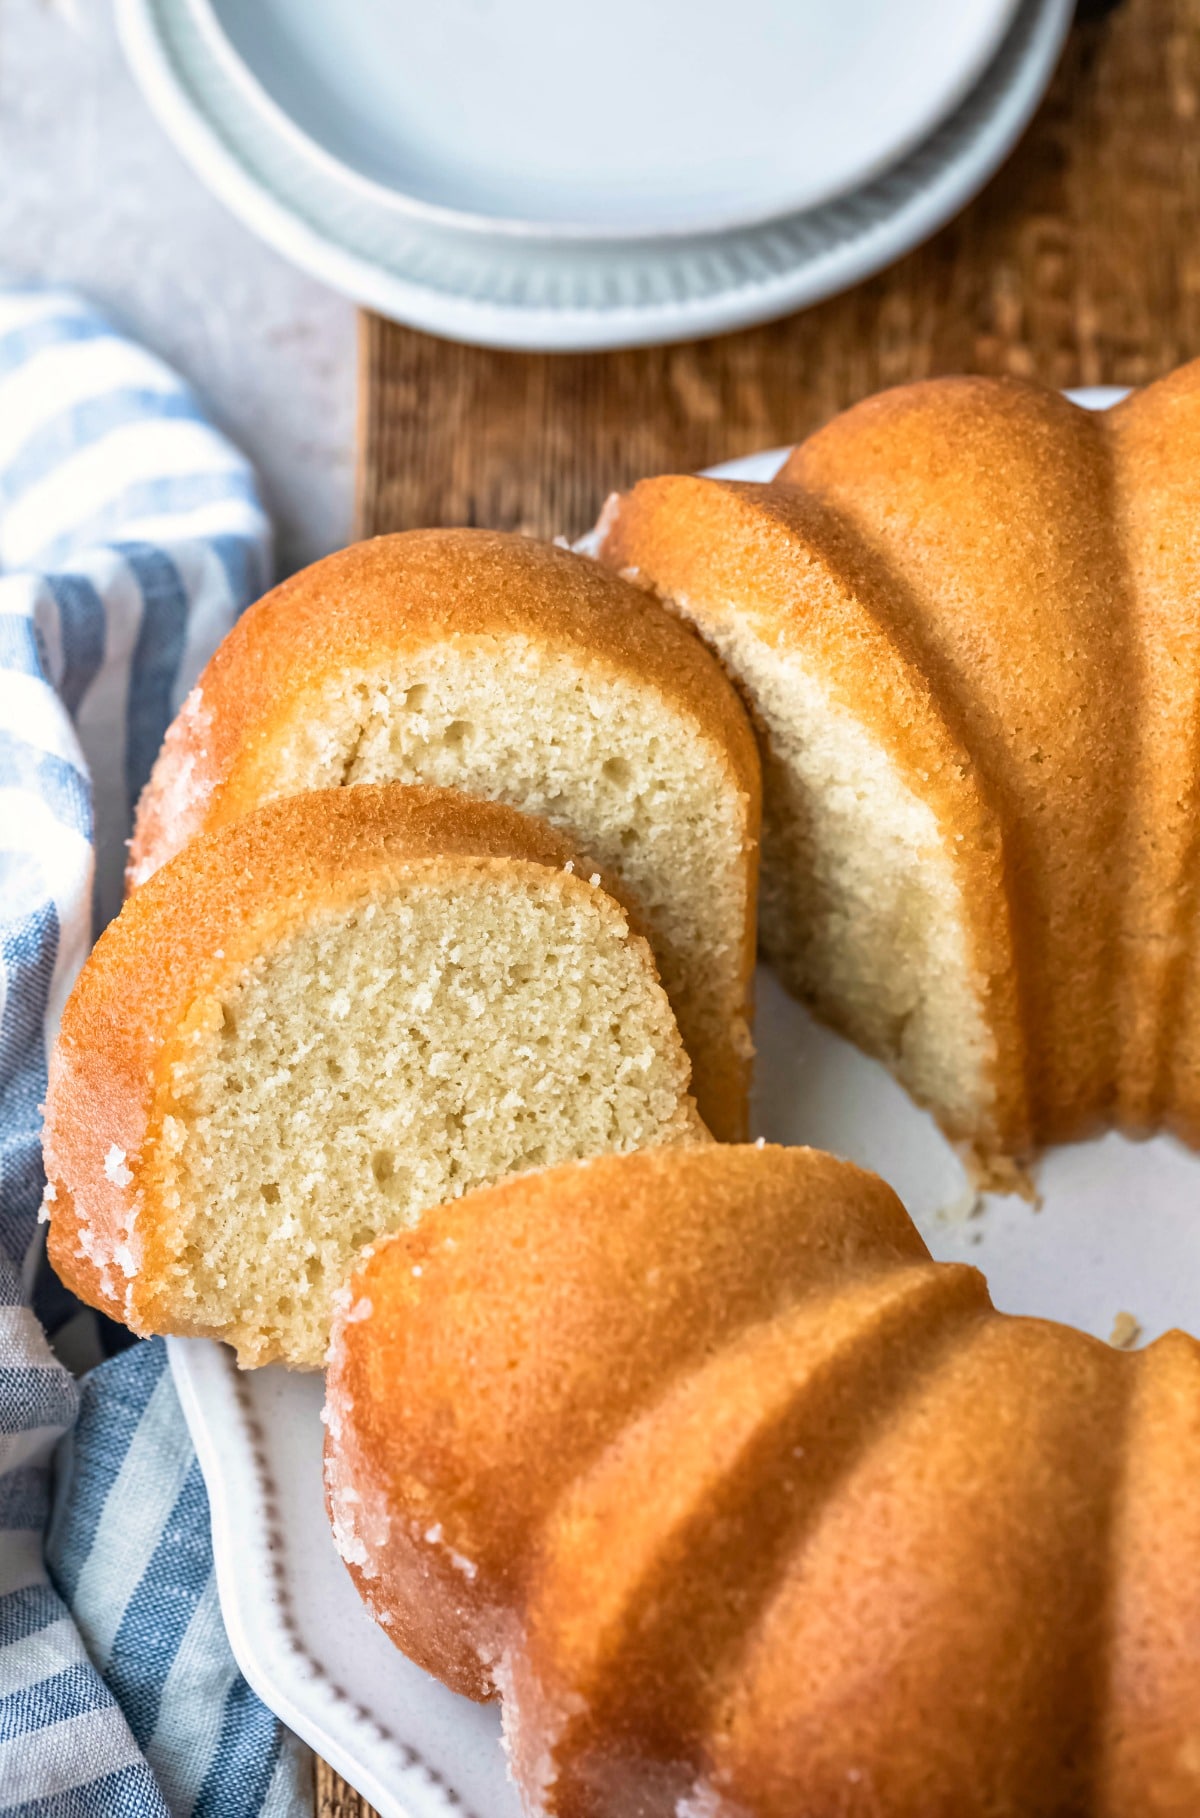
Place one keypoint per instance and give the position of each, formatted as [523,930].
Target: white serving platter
[444,257]
[1117,1232]
[607,118]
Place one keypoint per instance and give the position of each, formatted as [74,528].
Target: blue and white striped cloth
[131,536]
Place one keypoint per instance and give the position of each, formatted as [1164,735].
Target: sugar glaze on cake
[748,1509]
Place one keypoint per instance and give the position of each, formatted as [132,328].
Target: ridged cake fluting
[964,620]
[748,1509]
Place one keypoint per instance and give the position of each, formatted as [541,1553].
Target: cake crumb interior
[386,1058]
[607,760]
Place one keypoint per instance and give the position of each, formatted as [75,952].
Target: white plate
[1117,1232]
[610,118]
[509,286]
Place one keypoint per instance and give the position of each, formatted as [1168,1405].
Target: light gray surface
[93,194]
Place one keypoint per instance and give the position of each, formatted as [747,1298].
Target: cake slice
[519,672]
[311,1026]
[885,894]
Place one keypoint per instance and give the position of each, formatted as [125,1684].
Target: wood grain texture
[1080,265]
[335,1797]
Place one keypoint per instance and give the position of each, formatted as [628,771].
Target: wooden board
[1080,265]
[335,1798]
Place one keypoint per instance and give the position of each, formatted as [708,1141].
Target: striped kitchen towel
[131,536]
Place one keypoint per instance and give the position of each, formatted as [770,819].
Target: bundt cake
[965,624]
[518,671]
[748,1509]
[311,1025]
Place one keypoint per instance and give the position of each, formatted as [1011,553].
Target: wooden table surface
[1079,265]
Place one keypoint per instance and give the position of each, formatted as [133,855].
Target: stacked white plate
[523,173]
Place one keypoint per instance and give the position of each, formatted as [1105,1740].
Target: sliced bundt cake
[308,1027]
[964,622]
[748,1509]
[523,673]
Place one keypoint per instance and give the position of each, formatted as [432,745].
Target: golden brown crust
[978,1517]
[364,605]
[1154,437]
[800,582]
[1153,1634]
[989,503]
[630,1268]
[406,590]
[1034,566]
[743,1502]
[193,926]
